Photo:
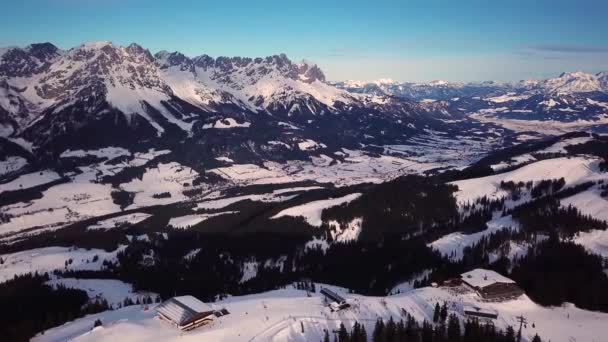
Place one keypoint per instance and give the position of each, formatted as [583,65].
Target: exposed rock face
[56,99]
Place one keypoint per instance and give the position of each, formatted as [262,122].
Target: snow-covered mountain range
[51,98]
[566,83]
[99,94]
[123,171]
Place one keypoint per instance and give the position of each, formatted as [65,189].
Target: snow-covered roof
[482,278]
[194,303]
[183,309]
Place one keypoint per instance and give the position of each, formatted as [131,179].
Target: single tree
[436,313]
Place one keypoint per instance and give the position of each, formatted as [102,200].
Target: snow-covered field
[311,212]
[49,259]
[453,245]
[595,241]
[60,205]
[84,196]
[589,203]
[133,218]
[172,177]
[29,180]
[292,315]
[424,153]
[194,219]
[11,164]
[112,290]
[574,170]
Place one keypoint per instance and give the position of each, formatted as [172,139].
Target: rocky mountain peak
[25,62]
[573,82]
[309,72]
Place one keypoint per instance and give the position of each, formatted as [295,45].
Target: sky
[463,40]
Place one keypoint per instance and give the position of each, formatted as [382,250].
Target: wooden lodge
[490,285]
[185,312]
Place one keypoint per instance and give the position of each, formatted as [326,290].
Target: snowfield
[133,218]
[49,259]
[112,290]
[30,180]
[192,220]
[280,315]
[60,205]
[595,241]
[453,245]
[172,177]
[311,212]
[589,203]
[11,164]
[574,170]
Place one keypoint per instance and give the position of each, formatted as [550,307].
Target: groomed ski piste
[297,315]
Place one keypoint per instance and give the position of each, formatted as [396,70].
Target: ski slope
[292,315]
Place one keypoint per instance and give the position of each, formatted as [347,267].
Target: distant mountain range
[566,83]
[99,94]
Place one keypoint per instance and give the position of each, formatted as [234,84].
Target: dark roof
[332,295]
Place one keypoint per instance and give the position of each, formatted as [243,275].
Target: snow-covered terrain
[29,180]
[53,258]
[112,290]
[293,315]
[311,212]
[11,164]
[574,170]
[133,218]
[452,245]
[595,241]
[194,219]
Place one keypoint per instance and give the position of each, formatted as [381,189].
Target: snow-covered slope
[292,315]
[574,170]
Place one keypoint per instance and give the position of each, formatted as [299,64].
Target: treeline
[407,205]
[409,330]
[29,306]
[366,267]
[546,214]
[553,272]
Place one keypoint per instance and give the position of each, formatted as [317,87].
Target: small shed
[185,312]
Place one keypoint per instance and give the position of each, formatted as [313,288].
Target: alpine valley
[128,177]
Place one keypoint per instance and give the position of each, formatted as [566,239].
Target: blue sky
[404,40]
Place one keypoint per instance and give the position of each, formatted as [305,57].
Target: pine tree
[427,332]
[439,332]
[510,334]
[343,334]
[363,336]
[444,312]
[536,338]
[378,333]
[436,313]
[401,334]
[390,330]
[453,328]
